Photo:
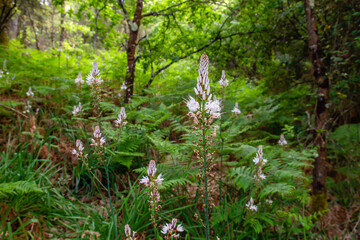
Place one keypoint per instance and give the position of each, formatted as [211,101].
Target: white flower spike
[282,141]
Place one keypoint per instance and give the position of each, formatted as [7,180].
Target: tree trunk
[24,40]
[35,32]
[7,11]
[319,196]
[15,26]
[52,34]
[62,29]
[130,52]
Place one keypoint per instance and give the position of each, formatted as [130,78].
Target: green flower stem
[207,228]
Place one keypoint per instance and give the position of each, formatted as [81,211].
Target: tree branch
[126,14]
[161,12]
[217,38]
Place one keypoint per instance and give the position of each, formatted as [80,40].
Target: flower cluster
[172,230]
[29,93]
[27,107]
[260,162]
[223,81]
[236,109]
[128,233]
[120,121]
[78,151]
[202,91]
[79,81]
[282,141]
[98,141]
[77,109]
[250,205]
[153,184]
[93,79]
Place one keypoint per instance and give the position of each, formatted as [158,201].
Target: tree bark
[35,32]
[62,29]
[6,12]
[319,194]
[134,26]
[52,34]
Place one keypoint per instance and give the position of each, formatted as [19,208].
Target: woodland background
[293,68]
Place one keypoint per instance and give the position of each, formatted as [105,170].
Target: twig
[16,111]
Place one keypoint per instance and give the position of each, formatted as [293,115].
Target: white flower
[269,201]
[79,145]
[179,228]
[213,107]
[250,205]
[29,93]
[262,176]
[165,228]
[171,229]
[236,109]
[282,141]
[77,109]
[223,81]
[74,152]
[79,79]
[123,86]
[159,179]
[145,180]
[97,133]
[119,122]
[79,148]
[256,160]
[192,104]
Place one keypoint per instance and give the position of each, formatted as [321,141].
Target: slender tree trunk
[35,32]
[24,36]
[319,196]
[62,29]
[52,34]
[15,26]
[130,52]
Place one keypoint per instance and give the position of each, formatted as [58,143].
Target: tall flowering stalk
[153,183]
[30,95]
[78,153]
[94,81]
[204,110]
[259,161]
[224,83]
[120,121]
